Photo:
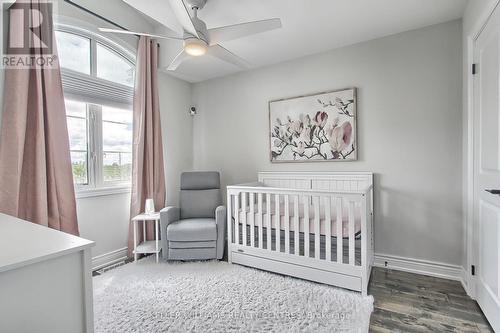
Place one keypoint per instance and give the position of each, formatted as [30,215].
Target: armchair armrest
[220,221]
[167,215]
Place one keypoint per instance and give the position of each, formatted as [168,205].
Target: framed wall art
[319,127]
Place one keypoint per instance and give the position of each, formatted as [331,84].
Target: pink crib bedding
[322,219]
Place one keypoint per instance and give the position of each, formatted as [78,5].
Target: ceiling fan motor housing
[196,3]
[200,27]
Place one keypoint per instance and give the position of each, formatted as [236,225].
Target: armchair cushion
[192,245]
[190,230]
[207,180]
[200,203]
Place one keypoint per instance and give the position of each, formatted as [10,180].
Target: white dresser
[45,279]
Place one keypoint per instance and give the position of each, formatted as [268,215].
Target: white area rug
[220,297]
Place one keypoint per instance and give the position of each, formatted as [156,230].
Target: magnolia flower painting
[319,127]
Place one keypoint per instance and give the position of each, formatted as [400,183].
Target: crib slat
[306,225]
[328,229]
[277,225]
[287,224]
[351,233]
[268,220]
[230,237]
[244,221]
[259,207]
[252,219]
[365,218]
[296,224]
[339,231]
[237,218]
[316,228]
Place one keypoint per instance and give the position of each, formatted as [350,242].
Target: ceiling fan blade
[126,32]
[230,32]
[226,55]
[182,13]
[177,61]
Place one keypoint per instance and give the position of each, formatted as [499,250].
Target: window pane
[77,130]
[117,137]
[73,51]
[76,109]
[117,115]
[113,67]
[79,166]
[117,166]
[117,144]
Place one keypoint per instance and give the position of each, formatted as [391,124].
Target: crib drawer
[303,272]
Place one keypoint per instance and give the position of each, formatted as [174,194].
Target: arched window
[98,79]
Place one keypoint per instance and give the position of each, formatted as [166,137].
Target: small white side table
[146,246]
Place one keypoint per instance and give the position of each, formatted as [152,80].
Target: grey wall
[409,127]
[175,100]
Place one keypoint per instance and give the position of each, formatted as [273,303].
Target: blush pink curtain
[36,181]
[148,177]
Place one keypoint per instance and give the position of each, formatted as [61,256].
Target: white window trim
[94,92]
[102,191]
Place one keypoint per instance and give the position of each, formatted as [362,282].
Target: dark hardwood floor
[406,302]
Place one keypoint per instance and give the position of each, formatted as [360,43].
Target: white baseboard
[109,258]
[424,267]
[465,280]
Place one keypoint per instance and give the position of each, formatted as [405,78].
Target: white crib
[288,223]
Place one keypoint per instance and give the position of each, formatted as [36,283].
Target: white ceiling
[309,27]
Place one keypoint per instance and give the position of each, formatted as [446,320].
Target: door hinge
[473,270]
[474,69]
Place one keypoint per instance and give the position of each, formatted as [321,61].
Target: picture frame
[314,127]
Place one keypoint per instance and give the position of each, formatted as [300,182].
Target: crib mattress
[262,218]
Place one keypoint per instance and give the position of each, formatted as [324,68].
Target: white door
[487,169]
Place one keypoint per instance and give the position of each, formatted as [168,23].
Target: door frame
[471,249]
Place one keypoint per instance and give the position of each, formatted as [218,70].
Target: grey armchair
[196,229]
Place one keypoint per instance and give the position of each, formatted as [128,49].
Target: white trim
[468,205]
[419,266]
[464,280]
[469,198]
[109,258]
[102,191]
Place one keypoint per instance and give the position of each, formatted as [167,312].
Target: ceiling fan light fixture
[195,47]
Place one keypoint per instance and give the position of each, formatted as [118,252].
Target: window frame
[89,144]
[97,92]
[126,52]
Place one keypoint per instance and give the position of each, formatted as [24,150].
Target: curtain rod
[96,15]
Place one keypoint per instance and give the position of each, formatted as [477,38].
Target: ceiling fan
[198,40]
